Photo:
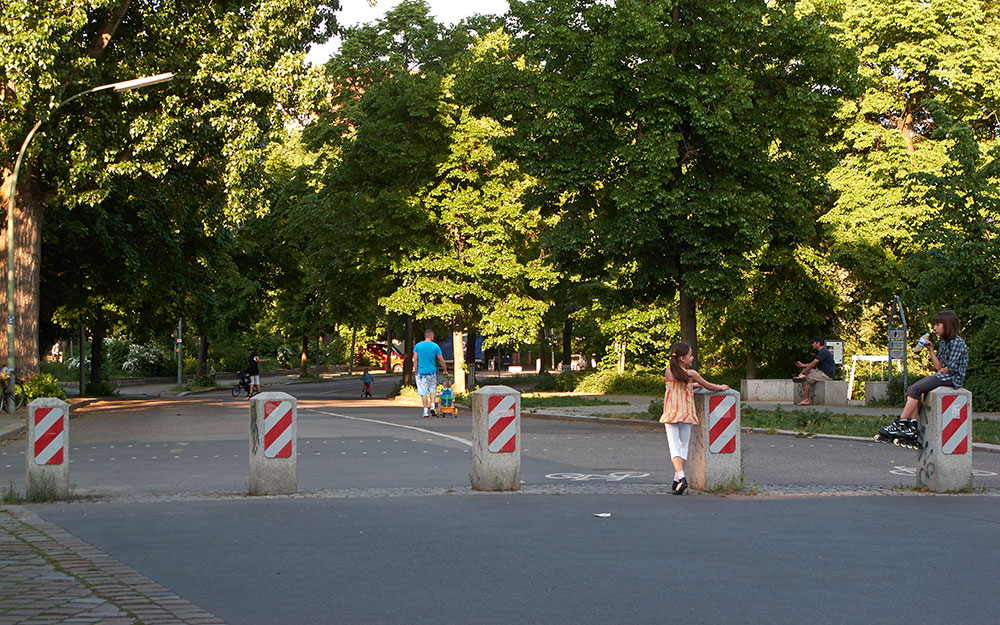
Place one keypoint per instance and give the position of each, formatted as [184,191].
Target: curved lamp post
[118,86]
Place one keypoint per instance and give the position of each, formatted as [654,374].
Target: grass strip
[826,422]
[532,400]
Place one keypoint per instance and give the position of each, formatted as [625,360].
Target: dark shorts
[917,389]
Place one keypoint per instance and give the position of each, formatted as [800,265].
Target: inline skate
[901,433]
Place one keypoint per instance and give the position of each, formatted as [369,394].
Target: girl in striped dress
[678,408]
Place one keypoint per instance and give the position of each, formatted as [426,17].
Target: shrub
[203,381]
[147,360]
[43,385]
[985,389]
[612,383]
[116,352]
[546,382]
[284,356]
[101,389]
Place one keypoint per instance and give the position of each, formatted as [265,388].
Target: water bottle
[922,343]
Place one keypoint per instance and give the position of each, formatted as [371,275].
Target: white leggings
[678,437]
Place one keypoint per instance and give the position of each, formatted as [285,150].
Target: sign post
[897,339]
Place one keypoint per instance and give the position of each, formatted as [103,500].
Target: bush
[612,383]
[116,351]
[59,370]
[147,360]
[230,357]
[546,382]
[985,389]
[43,385]
[203,381]
[101,389]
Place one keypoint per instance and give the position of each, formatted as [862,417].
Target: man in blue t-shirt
[820,369]
[426,355]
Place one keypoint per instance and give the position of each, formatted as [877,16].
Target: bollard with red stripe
[714,454]
[502,429]
[954,424]
[722,425]
[48,447]
[496,451]
[273,469]
[278,429]
[944,463]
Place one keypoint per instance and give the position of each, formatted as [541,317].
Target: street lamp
[118,86]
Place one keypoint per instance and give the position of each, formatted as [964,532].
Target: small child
[447,399]
[366,384]
[678,408]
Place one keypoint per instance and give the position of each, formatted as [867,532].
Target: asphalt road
[387,530]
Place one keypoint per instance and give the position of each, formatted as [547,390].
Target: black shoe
[673,488]
[433,413]
[682,485]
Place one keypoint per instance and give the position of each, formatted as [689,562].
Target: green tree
[237,67]
[673,140]
[910,53]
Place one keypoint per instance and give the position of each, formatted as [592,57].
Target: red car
[375,352]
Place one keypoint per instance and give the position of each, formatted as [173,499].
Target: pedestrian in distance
[366,384]
[253,370]
[426,356]
[950,361]
[819,369]
[678,408]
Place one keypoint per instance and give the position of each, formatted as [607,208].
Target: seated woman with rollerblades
[950,361]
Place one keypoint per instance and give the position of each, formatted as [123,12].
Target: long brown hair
[952,326]
[678,372]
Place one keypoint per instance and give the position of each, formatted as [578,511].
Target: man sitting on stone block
[820,369]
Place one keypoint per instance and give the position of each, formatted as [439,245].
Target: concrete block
[47,455]
[945,426]
[781,391]
[876,391]
[496,438]
[832,393]
[716,451]
[273,446]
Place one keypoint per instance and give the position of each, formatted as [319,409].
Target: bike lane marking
[395,425]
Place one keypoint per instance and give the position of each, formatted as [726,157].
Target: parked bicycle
[18,396]
[242,386]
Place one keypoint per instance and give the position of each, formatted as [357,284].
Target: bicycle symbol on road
[912,471]
[615,476]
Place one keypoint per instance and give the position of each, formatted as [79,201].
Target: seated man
[820,369]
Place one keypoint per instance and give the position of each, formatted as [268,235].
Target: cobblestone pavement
[48,577]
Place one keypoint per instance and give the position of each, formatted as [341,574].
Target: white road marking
[395,425]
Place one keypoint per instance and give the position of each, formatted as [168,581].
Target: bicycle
[242,386]
[19,396]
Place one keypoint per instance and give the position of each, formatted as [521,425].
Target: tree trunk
[97,352]
[202,355]
[352,355]
[470,358]
[689,323]
[751,366]
[540,361]
[304,357]
[459,355]
[408,353]
[567,338]
[28,214]
[388,347]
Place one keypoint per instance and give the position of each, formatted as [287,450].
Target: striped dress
[678,403]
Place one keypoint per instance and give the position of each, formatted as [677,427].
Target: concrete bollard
[273,418]
[48,449]
[715,454]
[496,438]
[945,426]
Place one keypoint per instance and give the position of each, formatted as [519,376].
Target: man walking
[426,355]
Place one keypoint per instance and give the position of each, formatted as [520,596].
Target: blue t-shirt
[426,353]
[826,364]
